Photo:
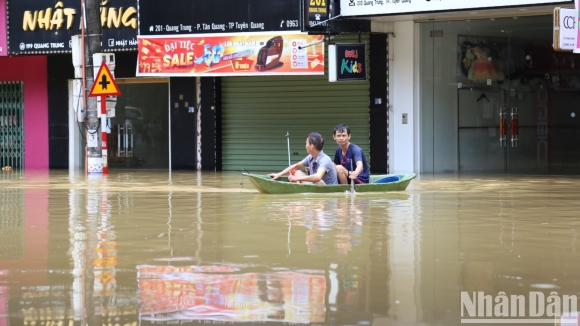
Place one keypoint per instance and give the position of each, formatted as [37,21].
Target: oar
[351,180]
[288,141]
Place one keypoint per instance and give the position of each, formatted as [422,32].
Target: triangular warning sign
[105,84]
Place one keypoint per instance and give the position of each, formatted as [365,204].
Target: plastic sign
[347,62]
[105,84]
[390,7]
[231,55]
[565,29]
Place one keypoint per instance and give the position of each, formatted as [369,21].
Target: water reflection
[226,293]
[144,248]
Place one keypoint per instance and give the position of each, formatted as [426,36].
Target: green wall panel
[257,111]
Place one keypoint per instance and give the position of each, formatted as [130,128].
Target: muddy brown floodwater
[147,247]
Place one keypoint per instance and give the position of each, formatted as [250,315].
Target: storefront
[251,106]
[466,68]
[257,112]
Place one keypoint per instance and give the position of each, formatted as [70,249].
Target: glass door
[496,98]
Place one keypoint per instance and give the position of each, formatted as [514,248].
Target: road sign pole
[104,133]
[104,86]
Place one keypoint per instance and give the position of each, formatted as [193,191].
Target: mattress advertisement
[388,7]
[3,48]
[169,294]
[231,55]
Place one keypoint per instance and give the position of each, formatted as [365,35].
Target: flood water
[143,248]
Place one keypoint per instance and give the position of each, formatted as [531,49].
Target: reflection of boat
[281,186]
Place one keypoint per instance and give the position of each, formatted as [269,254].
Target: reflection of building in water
[23,243]
[94,297]
[12,224]
[51,306]
[225,293]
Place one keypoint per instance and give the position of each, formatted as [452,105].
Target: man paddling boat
[349,159]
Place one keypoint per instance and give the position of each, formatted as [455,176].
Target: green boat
[378,183]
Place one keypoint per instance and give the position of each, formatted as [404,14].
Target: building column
[402,98]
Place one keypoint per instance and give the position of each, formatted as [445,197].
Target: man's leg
[342,174]
[299,173]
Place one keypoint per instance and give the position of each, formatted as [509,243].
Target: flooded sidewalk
[149,247]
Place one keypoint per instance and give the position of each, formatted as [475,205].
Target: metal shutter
[258,111]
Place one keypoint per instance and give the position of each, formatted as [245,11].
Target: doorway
[139,137]
[498,99]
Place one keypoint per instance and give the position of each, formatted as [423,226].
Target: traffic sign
[105,84]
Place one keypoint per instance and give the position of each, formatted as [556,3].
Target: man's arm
[357,171]
[296,166]
[358,158]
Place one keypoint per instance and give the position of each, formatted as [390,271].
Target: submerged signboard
[391,7]
[231,55]
[43,26]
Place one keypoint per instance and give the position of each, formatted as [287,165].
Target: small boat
[378,183]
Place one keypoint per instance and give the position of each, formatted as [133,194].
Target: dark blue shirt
[353,154]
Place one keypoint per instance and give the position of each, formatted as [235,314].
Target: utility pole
[92,46]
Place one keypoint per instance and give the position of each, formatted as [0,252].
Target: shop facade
[54,131]
[256,115]
[453,73]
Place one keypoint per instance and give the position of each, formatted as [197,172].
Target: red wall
[32,70]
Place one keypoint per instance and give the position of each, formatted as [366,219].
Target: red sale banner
[231,55]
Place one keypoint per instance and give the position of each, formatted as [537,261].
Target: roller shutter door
[257,111]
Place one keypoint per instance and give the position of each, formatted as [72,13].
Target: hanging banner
[214,17]
[3,44]
[391,7]
[46,26]
[231,55]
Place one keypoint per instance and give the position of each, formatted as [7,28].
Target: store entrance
[139,135]
[514,97]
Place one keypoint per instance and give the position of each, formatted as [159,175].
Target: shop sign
[3,45]
[565,30]
[174,17]
[43,26]
[390,7]
[231,55]
[316,14]
[346,62]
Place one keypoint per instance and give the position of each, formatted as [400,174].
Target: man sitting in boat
[349,159]
[322,170]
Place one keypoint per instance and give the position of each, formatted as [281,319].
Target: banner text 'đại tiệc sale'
[231,55]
